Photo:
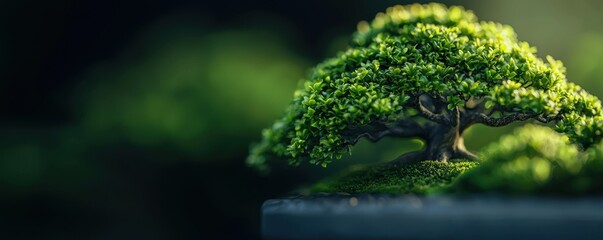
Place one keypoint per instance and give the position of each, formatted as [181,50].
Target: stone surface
[411,217]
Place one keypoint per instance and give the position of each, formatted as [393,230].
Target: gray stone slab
[411,217]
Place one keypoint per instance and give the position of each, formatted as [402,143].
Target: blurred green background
[132,120]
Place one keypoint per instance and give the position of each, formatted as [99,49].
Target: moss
[419,178]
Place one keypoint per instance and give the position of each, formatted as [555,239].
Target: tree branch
[547,119]
[377,130]
[464,154]
[407,128]
[487,119]
[440,118]
[502,121]
[409,158]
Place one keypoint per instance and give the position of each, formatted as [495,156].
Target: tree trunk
[443,144]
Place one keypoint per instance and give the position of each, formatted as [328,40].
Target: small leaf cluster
[581,113]
[582,116]
[416,50]
[535,159]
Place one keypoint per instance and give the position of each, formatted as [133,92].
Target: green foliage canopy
[478,69]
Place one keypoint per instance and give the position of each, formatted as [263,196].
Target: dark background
[131,120]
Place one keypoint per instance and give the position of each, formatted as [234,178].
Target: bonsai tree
[427,72]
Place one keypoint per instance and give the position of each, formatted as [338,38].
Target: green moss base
[419,178]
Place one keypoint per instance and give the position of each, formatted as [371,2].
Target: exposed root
[418,156]
[464,154]
[409,158]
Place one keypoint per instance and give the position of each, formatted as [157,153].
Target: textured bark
[411,157]
[443,136]
[443,144]
[377,130]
